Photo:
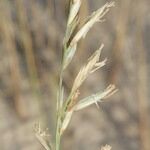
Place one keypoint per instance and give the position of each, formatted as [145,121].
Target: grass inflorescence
[66,107]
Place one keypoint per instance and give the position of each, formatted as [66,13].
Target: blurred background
[31,34]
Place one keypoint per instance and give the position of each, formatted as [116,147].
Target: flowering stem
[58,121]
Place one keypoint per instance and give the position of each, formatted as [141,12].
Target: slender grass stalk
[58,113]
[66,107]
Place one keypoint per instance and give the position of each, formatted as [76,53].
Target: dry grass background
[31,33]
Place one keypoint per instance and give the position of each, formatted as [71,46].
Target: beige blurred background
[31,34]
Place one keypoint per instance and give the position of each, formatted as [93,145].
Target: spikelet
[94,98]
[74,10]
[92,65]
[68,55]
[42,136]
[85,103]
[66,121]
[97,16]
[73,20]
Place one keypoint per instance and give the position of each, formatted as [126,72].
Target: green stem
[58,136]
[58,115]
[59,110]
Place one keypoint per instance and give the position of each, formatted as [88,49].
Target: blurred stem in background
[118,45]
[7,26]
[142,78]
[26,41]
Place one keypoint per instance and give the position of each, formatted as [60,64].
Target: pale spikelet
[68,55]
[95,98]
[75,106]
[97,16]
[66,121]
[69,111]
[106,147]
[70,30]
[92,65]
[73,21]
[42,137]
[74,9]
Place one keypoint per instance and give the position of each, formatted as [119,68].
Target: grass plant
[66,107]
